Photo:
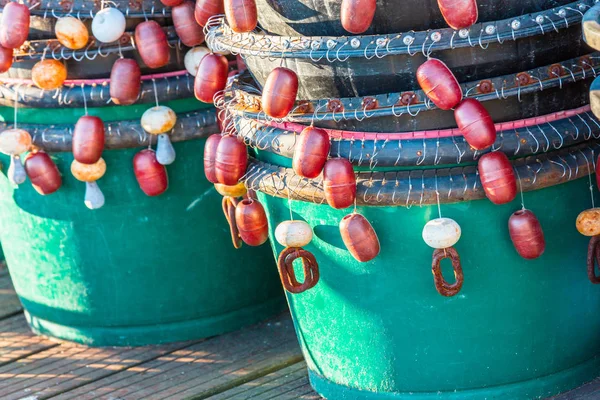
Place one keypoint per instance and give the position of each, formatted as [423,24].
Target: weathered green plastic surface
[139,270]
[518,329]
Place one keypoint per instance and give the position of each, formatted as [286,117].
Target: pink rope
[504,126]
[77,82]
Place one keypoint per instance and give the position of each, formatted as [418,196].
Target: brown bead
[526,234]
[211,77]
[14,26]
[459,14]
[359,237]
[210,154]
[125,82]
[497,177]
[356,15]
[241,15]
[42,173]
[279,92]
[150,174]
[207,8]
[339,183]
[251,221]
[88,139]
[152,45]
[311,152]
[475,124]
[231,160]
[188,30]
[439,84]
[6,58]
[49,74]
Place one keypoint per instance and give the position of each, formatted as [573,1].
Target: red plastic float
[311,152]
[279,92]
[339,183]
[188,30]
[207,8]
[359,237]
[475,124]
[14,26]
[497,177]
[211,77]
[231,160]
[357,15]
[210,154]
[241,15]
[88,139]
[125,82]
[459,14]
[42,172]
[526,234]
[439,84]
[152,45]
[251,221]
[150,174]
[6,58]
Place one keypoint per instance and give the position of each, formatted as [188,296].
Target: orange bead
[49,74]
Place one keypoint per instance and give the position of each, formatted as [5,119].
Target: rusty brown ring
[593,257]
[229,204]
[287,274]
[442,286]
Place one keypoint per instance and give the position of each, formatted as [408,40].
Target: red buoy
[339,183]
[171,3]
[188,30]
[526,234]
[42,172]
[439,84]
[14,26]
[210,154]
[311,152]
[241,15]
[497,177]
[359,237]
[207,8]
[150,174]
[88,139]
[459,14]
[6,58]
[211,77]
[125,82]
[151,42]
[357,15]
[475,124]
[231,160]
[279,92]
[251,221]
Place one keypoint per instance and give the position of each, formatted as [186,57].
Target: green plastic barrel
[518,329]
[139,270]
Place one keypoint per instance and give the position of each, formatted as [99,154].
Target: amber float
[49,74]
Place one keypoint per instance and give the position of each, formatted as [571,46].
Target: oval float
[88,139]
[279,92]
[339,183]
[251,220]
[149,173]
[359,237]
[526,234]
[497,177]
[152,45]
[293,234]
[42,172]
[231,160]
[311,152]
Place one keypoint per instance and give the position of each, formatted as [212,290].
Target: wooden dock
[260,362]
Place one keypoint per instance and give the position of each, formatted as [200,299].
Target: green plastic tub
[517,330]
[140,270]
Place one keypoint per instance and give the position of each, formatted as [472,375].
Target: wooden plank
[17,341]
[9,302]
[215,364]
[53,373]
